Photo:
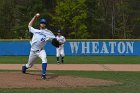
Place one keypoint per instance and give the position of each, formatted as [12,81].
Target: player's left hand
[61,43]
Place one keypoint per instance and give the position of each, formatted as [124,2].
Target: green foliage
[15,16]
[6,19]
[76,18]
[70,16]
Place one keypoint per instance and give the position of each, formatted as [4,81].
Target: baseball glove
[55,42]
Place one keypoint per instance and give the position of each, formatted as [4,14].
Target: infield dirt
[33,80]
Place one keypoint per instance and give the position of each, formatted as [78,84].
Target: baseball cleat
[24,69]
[43,77]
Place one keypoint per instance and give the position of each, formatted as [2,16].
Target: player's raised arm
[32,20]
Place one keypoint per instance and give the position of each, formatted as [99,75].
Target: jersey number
[43,39]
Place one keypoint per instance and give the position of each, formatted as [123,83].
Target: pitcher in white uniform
[60,50]
[39,40]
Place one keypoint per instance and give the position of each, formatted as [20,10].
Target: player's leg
[31,61]
[43,56]
[57,55]
[62,55]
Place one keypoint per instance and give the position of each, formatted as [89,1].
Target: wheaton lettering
[102,47]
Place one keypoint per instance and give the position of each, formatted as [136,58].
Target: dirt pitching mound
[33,80]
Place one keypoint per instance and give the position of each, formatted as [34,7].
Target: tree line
[77,19]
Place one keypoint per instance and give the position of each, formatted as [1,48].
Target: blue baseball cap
[43,21]
[58,31]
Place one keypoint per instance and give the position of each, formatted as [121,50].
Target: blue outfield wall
[77,48]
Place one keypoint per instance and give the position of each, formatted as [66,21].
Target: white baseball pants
[60,52]
[34,55]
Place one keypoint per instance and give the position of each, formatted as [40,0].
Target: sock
[44,68]
[57,59]
[62,59]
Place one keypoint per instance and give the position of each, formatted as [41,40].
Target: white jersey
[61,39]
[40,38]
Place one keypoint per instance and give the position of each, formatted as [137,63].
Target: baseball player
[39,39]
[60,49]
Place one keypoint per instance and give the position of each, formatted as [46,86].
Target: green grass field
[130,80]
[76,59]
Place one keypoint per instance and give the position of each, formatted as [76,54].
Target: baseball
[37,14]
